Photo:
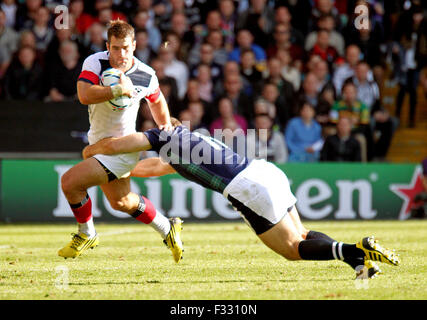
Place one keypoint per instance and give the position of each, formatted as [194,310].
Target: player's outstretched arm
[132,143]
[152,167]
[160,111]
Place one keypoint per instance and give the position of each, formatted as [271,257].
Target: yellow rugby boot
[173,239]
[375,252]
[79,243]
[369,270]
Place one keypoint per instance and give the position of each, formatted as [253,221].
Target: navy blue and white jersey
[198,158]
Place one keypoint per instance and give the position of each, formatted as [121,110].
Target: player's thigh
[293,213]
[120,196]
[84,175]
[283,238]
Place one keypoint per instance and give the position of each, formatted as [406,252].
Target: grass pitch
[221,261]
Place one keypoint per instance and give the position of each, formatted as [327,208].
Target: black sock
[319,249]
[351,257]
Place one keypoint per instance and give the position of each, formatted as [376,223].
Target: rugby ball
[111,77]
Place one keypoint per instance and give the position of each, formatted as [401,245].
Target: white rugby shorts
[120,164]
[262,195]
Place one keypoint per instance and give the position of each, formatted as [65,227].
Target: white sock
[87,228]
[161,224]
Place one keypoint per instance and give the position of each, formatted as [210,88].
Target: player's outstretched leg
[358,264]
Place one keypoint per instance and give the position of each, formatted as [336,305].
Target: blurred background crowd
[310,72]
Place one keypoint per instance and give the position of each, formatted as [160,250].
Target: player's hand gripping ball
[111,77]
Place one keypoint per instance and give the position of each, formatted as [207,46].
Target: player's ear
[108,46]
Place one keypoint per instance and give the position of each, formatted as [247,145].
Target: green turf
[221,261]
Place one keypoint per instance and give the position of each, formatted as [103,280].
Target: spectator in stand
[245,40]
[168,9]
[419,210]
[24,77]
[101,5]
[52,52]
[197,111]
[63,76]
[266,143]
[273,75]
[249,72]
[83,20]
[321,71]
[411,58]
[174,68]
[179,25]
[381,122]
[242,103]
[8,43]
[359,114]
[283,16]
[26,14]
[227,10]
[304,136]
[309,92]
[205,55]
[9,7]
[272,94]
[216,40]
[301,10]
[174,106]
[226,112]
[143,50]
[346,70]
[282,40]
[213,22]
[367,39]
[264,106]
[230,67]
[287,70]
[28,39]
[327,98]
[141,21]
[259,20]
[205,82]
[336,39]
[95,38]
[42,30]
[325,51]
[193,95]
[342,146]
[324,7]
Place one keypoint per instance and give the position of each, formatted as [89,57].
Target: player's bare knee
[122,204]
[67,183]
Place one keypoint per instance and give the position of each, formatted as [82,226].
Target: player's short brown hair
[120,29]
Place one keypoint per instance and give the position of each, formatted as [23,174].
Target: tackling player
[111,172]
[257,189]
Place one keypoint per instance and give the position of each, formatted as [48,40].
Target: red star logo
[408,192]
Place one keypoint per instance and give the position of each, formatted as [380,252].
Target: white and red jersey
[104,120]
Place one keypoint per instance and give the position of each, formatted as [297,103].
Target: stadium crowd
[308,71]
